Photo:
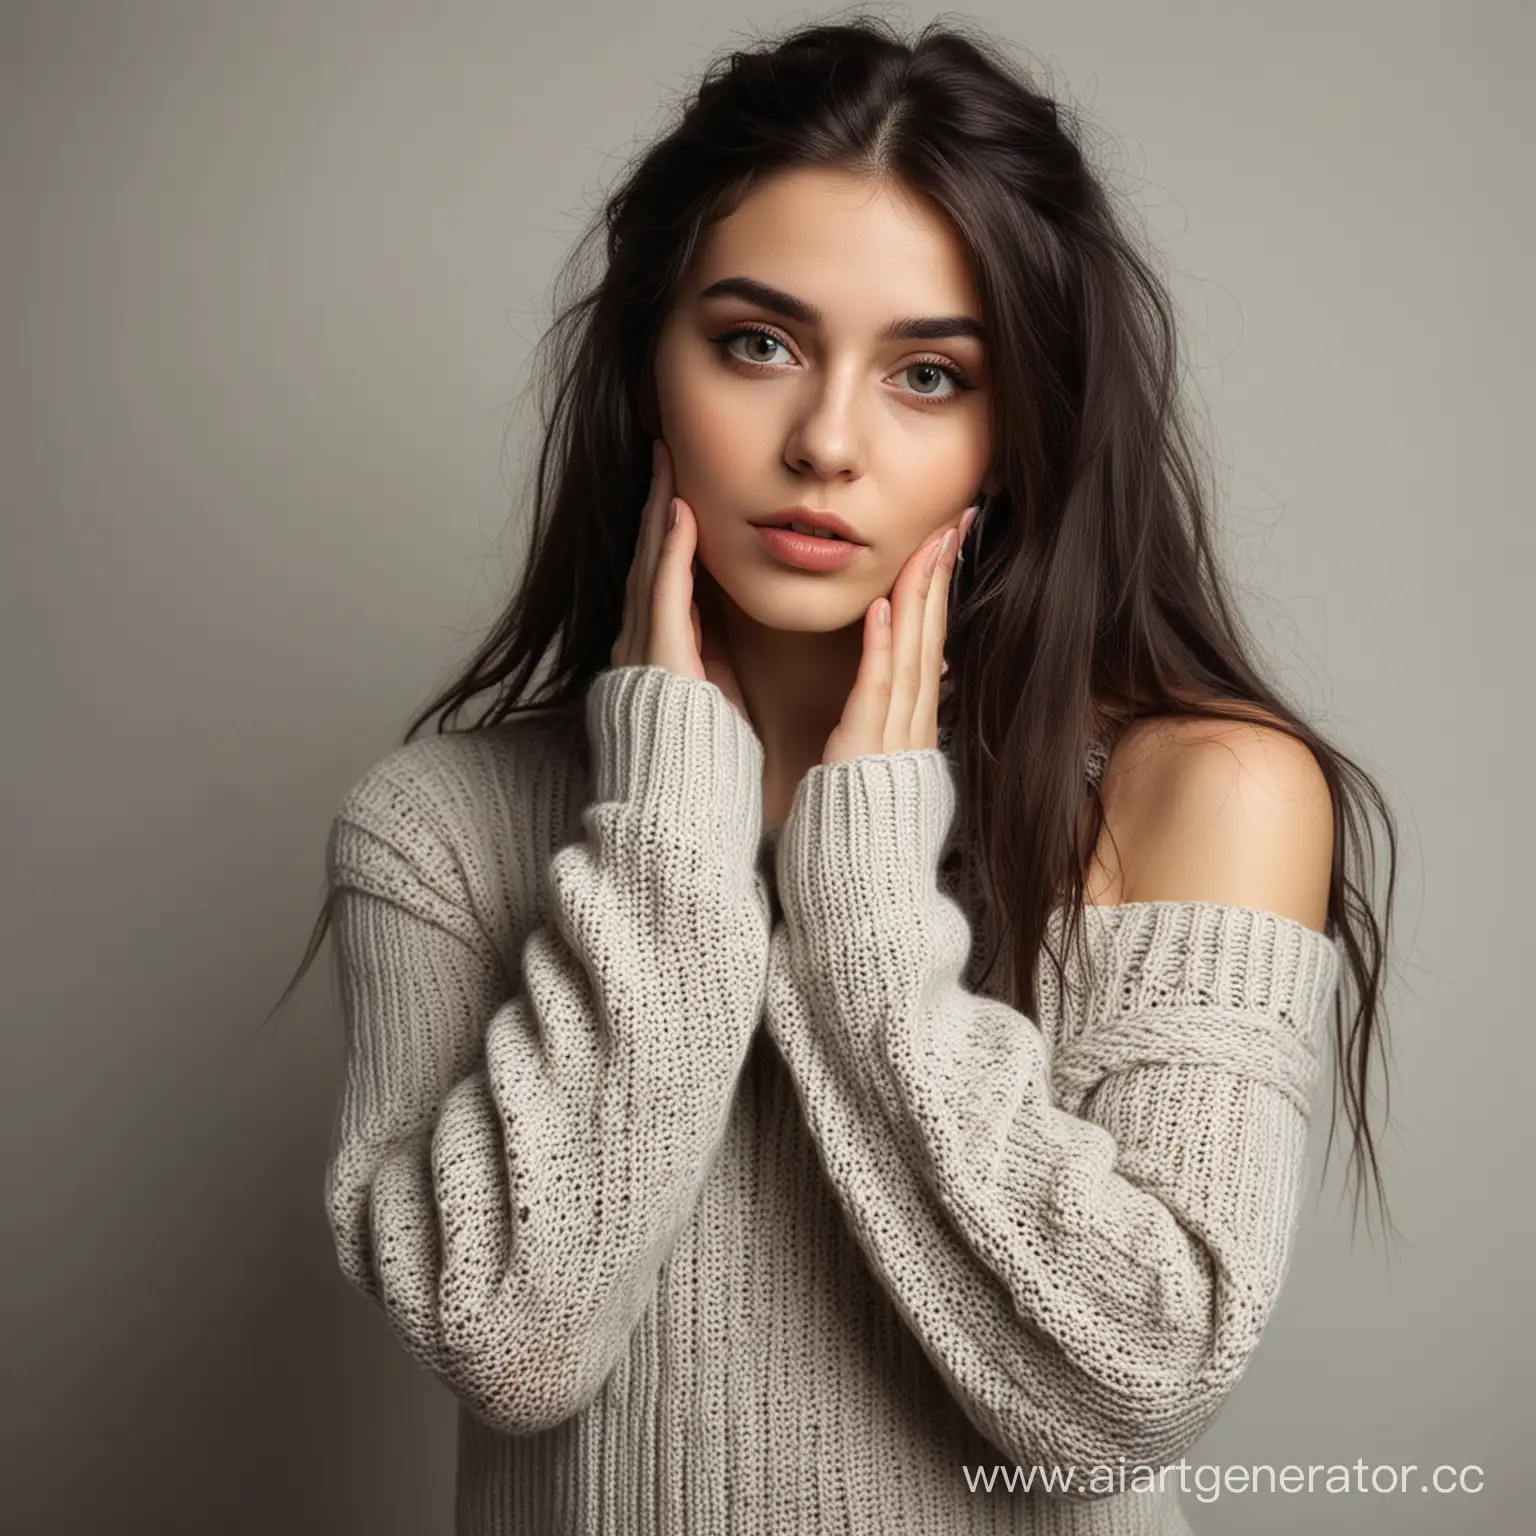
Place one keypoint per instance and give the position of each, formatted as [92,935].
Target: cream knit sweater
[863,1269]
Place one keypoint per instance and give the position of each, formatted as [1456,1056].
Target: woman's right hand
[661,626]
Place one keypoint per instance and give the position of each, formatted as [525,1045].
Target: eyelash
[957,376]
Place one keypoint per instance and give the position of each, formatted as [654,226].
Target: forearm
[511,1171]
[1091,1283]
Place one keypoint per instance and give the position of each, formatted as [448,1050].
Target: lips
[807,552]
[807,517]
[812,530]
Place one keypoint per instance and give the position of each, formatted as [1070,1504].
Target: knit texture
[847,1272]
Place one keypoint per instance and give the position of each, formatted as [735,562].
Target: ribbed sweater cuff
[1265,978]
[677,748]
[864,833]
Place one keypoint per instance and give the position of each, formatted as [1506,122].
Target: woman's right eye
[751,332]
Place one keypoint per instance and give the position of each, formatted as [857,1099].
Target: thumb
[671,624]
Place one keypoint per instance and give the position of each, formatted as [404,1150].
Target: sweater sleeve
[509,1172]
[1087,1249]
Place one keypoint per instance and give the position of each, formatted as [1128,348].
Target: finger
[654,525]
[868,705]
[672,594]
[658,542]
[907,632]
[642,566]
[924,724]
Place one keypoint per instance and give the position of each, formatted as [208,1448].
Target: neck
[793,683]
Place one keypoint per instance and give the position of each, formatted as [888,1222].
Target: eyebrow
[920,328]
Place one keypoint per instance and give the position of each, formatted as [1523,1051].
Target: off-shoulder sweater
[690,1159]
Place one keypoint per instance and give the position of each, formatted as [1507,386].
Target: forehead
[858,249]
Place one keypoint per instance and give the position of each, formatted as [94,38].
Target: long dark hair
[1093,596]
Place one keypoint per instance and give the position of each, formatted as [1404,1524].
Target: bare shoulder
[1233,812]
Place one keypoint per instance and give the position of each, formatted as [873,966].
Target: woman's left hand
[894,705]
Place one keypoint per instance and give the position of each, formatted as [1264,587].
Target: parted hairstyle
[1092,597]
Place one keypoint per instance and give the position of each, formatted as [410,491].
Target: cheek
[715,437]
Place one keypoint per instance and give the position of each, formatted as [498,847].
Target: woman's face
[823,413]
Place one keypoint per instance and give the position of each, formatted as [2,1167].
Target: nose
[823,443]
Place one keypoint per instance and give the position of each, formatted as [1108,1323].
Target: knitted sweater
[865,1268]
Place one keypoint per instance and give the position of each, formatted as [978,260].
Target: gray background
[270,277]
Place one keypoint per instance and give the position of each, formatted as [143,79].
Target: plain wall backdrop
[270,277]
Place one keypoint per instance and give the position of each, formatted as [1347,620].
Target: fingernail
[672,515]
[966,519]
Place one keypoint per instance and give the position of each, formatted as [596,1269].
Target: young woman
[933,1249]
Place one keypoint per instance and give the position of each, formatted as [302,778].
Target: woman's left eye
[932,364]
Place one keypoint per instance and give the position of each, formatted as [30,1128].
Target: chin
[812,605]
